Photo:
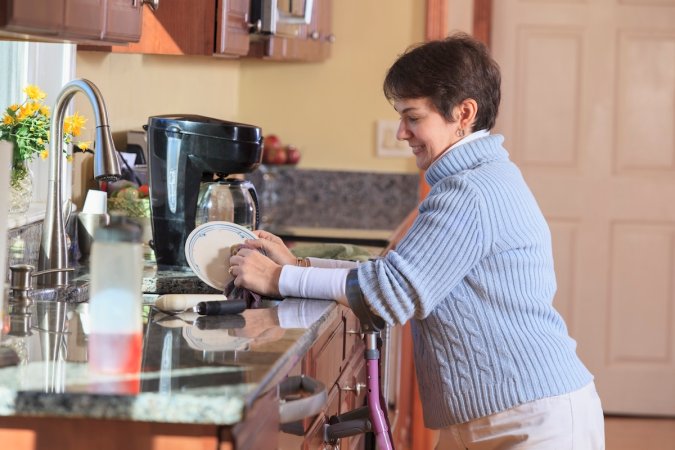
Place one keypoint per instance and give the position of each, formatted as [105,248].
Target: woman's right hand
[272,246]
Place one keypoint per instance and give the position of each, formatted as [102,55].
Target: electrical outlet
[387,144]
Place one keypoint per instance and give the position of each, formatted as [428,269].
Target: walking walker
[372,417]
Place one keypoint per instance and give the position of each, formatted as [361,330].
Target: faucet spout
[53,246]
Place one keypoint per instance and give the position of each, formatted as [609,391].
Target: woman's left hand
[256,272]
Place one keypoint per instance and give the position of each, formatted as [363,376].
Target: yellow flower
[27,110]
[69,158]
[34,93]
[84,145]
[74,124]
[27,125]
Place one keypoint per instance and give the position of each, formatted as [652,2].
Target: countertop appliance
[184,151]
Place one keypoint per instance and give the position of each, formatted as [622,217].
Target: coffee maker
[184,151]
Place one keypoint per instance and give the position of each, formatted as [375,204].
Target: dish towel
[233,292]
[345,252]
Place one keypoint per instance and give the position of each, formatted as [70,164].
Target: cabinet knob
[255,27]
[360,333]
[330,38]
[314,35]
[153,4]
[357,389]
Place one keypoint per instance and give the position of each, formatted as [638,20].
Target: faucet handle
[21,277]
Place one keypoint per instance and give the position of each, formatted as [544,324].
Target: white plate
[207,250]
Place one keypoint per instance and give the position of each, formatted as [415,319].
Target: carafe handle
[254,195]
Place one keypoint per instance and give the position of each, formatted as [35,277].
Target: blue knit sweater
[475,276]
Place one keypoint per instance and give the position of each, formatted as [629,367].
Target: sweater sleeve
[332,263]
[437,252]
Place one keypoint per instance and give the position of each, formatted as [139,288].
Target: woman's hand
[256,272]
[272,246]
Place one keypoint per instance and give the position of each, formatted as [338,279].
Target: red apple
[277,156]
[271,146]
[292,154]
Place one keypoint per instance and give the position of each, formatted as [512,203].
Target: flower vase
[20,189]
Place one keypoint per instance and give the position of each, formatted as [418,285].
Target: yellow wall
[138,86]
[328,109]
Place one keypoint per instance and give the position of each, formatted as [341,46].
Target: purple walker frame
[371,418]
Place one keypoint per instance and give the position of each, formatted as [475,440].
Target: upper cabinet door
[25,16]
[72,20]
[124,19]
[84,18]
[232,38]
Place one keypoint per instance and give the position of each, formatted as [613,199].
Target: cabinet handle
[153,4]
[290,411]
[357,388]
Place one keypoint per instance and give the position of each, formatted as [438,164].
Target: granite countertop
[194,370]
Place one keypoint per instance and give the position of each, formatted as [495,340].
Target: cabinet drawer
[325,361]
[314,437]
[352,384]
[353,340]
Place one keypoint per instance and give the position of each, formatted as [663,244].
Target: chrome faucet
[53,246]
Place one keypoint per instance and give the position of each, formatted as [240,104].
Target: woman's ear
[467,110]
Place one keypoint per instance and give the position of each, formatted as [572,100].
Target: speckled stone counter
[194,369]
[178,281]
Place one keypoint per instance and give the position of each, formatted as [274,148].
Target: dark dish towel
[233,292]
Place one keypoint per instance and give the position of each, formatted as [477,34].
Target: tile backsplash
[334,199]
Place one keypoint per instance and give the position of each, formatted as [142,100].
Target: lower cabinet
[337,360]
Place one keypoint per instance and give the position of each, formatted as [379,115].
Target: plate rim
[203,229]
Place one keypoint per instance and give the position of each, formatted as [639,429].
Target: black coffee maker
[184,151]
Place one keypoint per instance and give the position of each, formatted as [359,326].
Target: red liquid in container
[115,353]
[117,359]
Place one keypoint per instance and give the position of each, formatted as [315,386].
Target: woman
[474,274]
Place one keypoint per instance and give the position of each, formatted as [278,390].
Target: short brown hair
[448,71]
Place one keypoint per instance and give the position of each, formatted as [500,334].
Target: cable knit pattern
[475,276]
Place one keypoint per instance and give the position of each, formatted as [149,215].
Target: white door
[588,112]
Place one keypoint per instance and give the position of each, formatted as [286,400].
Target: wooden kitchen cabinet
[123,23]
[312,42]
[222,28]
[337,360]
[72,20]
[232,37]
[198,28]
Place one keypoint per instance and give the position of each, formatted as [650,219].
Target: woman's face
[425,129]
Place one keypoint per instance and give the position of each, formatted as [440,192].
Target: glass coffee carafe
[229,199]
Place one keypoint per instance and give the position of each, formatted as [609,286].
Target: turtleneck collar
[466,156]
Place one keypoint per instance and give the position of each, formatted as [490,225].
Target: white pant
[571,421]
